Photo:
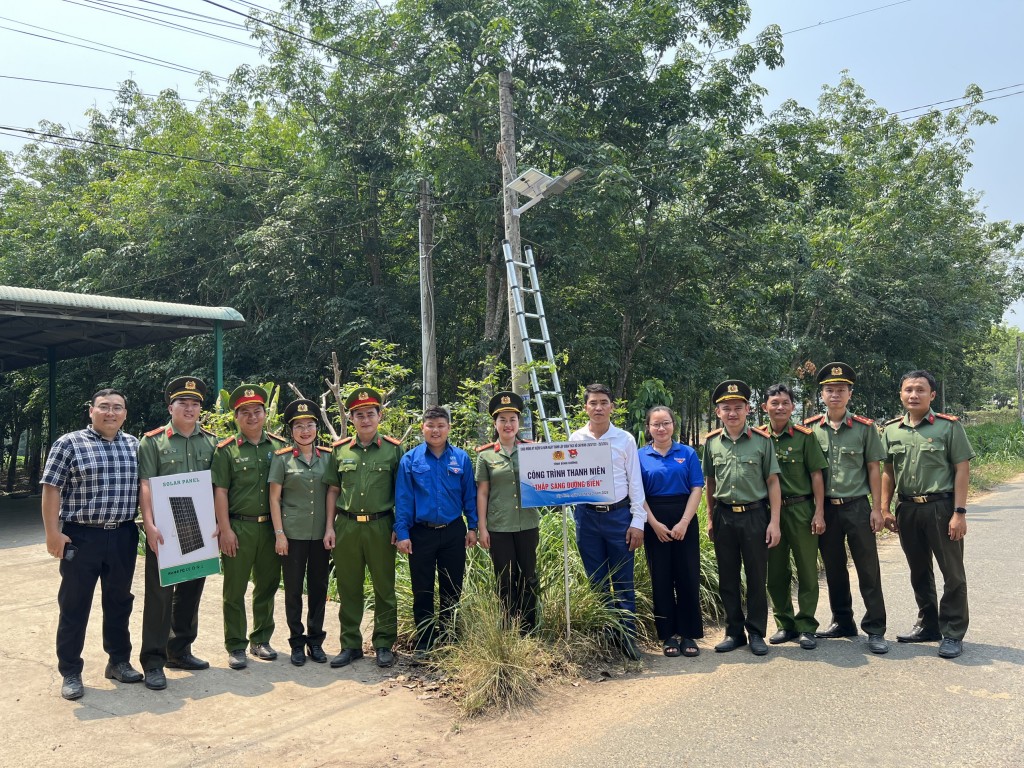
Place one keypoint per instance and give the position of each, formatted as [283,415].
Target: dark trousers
[109,558]
[306,562]
[440,552]
[851,523]
[515,567]
[740,542]
[675,571]
[601,539]
[170,617]
[924,533]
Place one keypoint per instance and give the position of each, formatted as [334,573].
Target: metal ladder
[552,394]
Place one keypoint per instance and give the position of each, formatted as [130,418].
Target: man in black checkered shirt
[90,495]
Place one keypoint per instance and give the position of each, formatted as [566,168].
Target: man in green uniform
[360,476]
[170,619]
[927,465]
[854,450]
[240,472]
[744,501]
[803,520]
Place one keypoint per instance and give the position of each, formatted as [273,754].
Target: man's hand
[957,527]
[329,539]
[773,535]
[889,521]
[876,520]
[405,546]
[470,539]
[634,538]
[153,538]
[229,542]
[818,523]
[55,543]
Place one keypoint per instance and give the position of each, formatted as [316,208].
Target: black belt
[366,518]
[926,497]
[837,502]
[608,507]
[104,526]
[250,518]
[790,500]
[752,507]
[436,526]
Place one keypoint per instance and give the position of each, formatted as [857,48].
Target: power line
[90,87]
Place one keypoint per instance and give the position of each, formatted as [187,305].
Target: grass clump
[998,439]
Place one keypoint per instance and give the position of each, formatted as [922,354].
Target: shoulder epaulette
[283,451]
[815,419]
[392,440]
[863,420]
[343,441]
[948,416]
[154,432]
[761,431]
[713,433]
[323,449]
[802,428]
[482,448]
[273,436]
[226,442]
[893,421]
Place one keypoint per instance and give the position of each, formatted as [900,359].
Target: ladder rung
[521,264]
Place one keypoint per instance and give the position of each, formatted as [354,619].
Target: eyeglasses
[662,425]
[108,408]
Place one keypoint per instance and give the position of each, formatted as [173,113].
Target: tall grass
[998,439]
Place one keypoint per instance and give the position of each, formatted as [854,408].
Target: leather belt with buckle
[926,498]
[103,526]
[364,518]
[837,502]
[436,526]
[790,500]
[753,506]
[609,507]
[250,518]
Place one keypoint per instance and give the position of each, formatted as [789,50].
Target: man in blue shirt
[434,489]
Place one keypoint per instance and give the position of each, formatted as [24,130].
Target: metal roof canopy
[38,326]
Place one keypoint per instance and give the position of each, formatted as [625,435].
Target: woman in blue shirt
[673,481]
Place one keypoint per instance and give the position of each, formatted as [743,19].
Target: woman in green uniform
[510,532]
[299,512]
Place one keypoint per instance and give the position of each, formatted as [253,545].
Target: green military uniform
[243,468]
[170,616]
[849,449]
[924,458]
[363,520]
[740,469]
[303,493]
[799,455]
[505,513]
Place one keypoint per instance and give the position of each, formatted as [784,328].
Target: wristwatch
[961,510]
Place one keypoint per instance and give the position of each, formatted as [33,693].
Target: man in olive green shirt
[241,499]
[803,519]
[854,450]
[744,501]
[360,478]
[927,466]
[170,618]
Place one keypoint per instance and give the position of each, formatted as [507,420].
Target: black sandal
[671,647]
[690,648]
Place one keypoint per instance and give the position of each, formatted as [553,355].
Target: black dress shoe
[263,651]
[123,672]
[877,644]
[950,648]
[920,635]
[72,688]
[807,641]
[837,630]
[188,661]
[731,643]
[758,647]
[346,657]
[783,636]
[237,659]
[316,653]
[156,680]
[385,658]
[298,656]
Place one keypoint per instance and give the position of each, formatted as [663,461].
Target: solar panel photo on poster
[190,537]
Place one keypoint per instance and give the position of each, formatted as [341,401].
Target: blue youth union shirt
[434,489]
[674,474]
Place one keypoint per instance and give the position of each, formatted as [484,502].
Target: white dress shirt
[626,478]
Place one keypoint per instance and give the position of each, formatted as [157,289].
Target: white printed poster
[183,511]
[552,474]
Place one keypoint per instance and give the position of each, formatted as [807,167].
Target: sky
[905,53]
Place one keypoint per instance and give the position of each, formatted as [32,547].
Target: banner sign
[183,511]
[551,474]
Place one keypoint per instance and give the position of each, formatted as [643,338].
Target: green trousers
[798,540]
[256,558]
[358,547]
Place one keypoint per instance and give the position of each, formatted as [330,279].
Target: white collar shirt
[626,477]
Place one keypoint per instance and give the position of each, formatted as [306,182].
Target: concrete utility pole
[1020,384]
[507,157]
[427,336]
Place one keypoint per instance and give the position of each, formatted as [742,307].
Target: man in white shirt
[607,534]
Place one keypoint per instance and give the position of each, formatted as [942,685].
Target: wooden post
[427,335]
[507,158]
[1020,383]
